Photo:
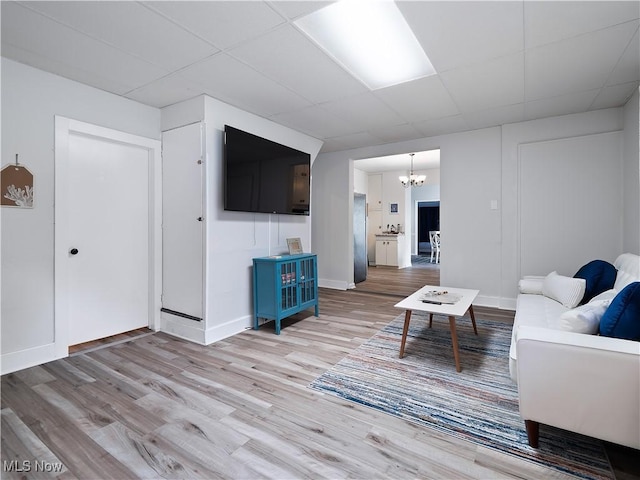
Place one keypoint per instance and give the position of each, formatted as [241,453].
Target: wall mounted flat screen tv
[264,176]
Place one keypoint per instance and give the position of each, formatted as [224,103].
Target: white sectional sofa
[585,383]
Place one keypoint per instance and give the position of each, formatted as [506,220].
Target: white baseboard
[182,328]
[228,329]
[14,361]
[495,302]
[335,284]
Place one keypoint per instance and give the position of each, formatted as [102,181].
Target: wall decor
[16,185]
[393,208]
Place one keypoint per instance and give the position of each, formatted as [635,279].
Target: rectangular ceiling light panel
[371,39]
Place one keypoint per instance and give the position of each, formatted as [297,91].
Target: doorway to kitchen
[428,221]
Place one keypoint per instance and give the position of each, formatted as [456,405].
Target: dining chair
[434,239]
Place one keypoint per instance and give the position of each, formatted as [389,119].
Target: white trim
[190,330]
[63,128]
[30,357]
[233,327]
[334,284]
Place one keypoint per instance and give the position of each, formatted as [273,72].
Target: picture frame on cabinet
[295,246]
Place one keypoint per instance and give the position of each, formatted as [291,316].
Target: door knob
[73,251]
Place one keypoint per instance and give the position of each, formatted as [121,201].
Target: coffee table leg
[430,319]
[454,341]
[473,319]
[405,329]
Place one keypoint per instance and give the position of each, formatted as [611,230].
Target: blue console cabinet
[284,285]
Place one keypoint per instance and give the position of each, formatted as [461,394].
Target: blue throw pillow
[622,317]
[600,276]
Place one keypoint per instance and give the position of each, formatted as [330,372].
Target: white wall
[478,168]
[332,220]
[360,182]
[515,135]
[631,176]
[233,239]
[569,222]
[30,99]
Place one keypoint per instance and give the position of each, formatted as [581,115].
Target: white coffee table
[457,309]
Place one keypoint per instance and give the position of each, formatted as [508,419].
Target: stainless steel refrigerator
[359,237]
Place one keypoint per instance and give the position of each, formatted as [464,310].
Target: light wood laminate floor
[156,406]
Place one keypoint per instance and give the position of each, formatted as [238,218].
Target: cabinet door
[375,192]
[374,226]
[392,253]
[381,252]
[182,231]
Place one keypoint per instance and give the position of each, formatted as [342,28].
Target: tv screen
[264,176]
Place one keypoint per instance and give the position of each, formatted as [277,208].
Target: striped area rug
[479,404]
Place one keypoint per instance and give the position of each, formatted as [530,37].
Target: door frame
[64,127]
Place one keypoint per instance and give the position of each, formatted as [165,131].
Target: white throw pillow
[531,285]
[566,290]
[582,319]
[605,297]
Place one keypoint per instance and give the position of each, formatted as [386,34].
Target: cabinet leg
[277,326]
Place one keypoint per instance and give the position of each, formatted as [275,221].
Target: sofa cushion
[622,318]
[583,319]
[599,275]
[566,290]
[628,266]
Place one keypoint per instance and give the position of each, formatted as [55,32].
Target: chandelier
[412,180]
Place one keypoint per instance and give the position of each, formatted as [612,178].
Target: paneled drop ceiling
[496,62]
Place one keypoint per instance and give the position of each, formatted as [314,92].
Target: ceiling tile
[577,64]
[495,116]
[494,83]
[120,24]
[548,22]
[364,111]
[65,46]
[315,121]
[165,91]
[223,23]
[562,105]
[67,71]
[397,133]
[628,68]
[289,57]
[419,100]
[229,80]
[454,34]
[295,9]
[442,126]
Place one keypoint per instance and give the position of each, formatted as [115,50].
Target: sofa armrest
[582,383]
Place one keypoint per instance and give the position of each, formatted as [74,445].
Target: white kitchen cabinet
[387,250]
[375,192]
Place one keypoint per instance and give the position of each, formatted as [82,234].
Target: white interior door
[182,222]
[108,234]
